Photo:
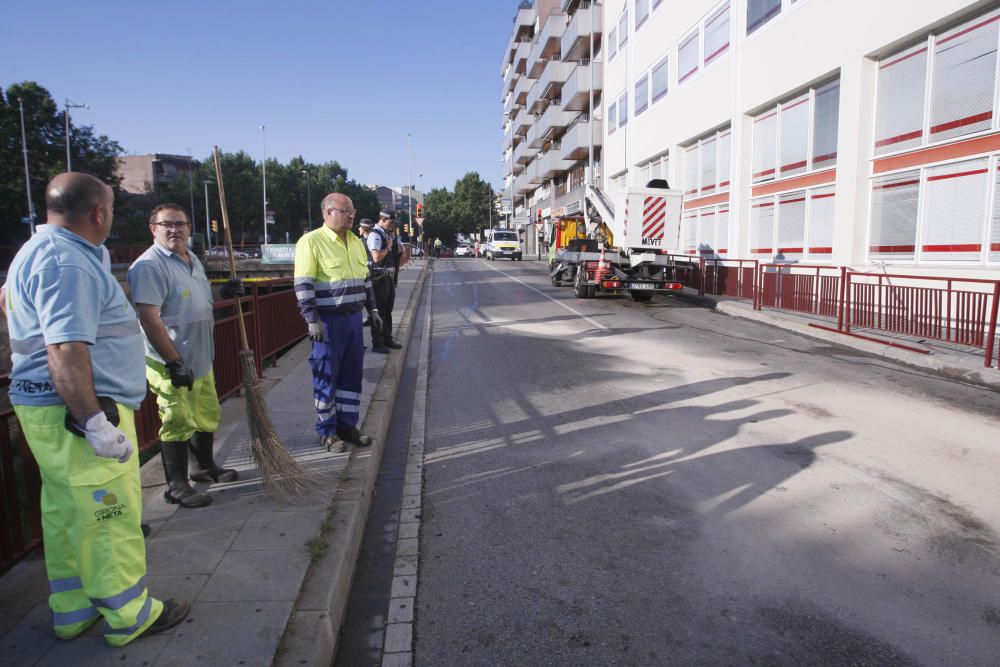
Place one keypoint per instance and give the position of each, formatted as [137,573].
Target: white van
[502,243]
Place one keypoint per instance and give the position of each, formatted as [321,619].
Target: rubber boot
[175,469]
[203,468]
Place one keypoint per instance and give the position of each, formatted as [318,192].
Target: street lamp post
[191,194]
[263,133]
[409,181]
[27,175]
[309,207]
[208,218]
[70,105]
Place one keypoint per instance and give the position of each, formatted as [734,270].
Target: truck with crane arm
[628,247]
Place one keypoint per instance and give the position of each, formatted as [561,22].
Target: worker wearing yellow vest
[77,378]
[332,285]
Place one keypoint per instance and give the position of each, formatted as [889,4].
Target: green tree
[438,213]
[472,201]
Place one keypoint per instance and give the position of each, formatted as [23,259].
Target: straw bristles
[284,478]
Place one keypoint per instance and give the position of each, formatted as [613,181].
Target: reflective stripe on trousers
[337,365]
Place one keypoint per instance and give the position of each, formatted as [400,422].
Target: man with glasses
[332,287]
[174,300]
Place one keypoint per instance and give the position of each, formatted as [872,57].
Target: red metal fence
[800,287]
[273,325]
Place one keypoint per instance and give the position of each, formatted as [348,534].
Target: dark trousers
[385,298]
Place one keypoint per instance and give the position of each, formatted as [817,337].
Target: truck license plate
[641,286]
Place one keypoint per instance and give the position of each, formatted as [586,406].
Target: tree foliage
[466,210]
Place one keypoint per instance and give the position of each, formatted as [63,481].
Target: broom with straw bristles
[284,477]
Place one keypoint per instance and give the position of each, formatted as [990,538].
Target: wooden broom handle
[229,244]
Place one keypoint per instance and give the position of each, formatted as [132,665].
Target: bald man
[78,376]
[332,286]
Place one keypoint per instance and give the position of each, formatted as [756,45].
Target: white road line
[555,301]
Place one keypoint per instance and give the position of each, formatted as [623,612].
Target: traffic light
[538,217]
[406,228]
[420,210]
[215,225]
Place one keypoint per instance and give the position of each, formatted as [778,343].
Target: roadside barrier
[273,325]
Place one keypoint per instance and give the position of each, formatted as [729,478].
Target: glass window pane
[955,211]
[765,146]
[612,43]
[641,12]
[687,57]
[706,231]
[995,229]
[894,215]
[691,170]
[717,34]
[965,64]
[623,109]
[820,231]
[659,77]
[760,12]
[641,95]
[689,232]
[709,155]
[791,226]
[612,117]
[899,105]
[826,114]
[794,119]
[762,227]
[725,158]
[623,30]
[722,232]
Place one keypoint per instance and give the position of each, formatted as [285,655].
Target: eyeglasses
[349,213]
[171,224]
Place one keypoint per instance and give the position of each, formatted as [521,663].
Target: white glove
[316,331]
[106,439]
[376,320]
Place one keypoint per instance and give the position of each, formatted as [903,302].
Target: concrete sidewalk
[268,581]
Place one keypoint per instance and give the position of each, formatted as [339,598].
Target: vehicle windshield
[504,236]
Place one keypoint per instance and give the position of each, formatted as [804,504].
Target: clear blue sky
[331,80]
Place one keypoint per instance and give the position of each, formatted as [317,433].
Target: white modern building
[853,133]
[551,81]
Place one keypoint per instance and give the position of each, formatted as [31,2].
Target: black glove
[233,288]
[180,374]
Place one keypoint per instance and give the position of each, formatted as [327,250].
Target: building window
[955,211]
[641,94]
[961,64]
[612,43]
[623,109]
[717,34]
[612,117]
[819,229]
[641,12]
[797,136]
[656,3]
[707,163]
[895,201]
[688,54]
[623,30]
[793,226]
[760,12]
[762,227]
[705,231]
[659,79]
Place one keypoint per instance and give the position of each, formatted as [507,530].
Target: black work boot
[175,469]
[203,468]
[353,436]
[173,613]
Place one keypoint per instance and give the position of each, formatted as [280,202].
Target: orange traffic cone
[603,267]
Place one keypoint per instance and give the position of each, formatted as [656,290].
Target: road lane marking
[555,301]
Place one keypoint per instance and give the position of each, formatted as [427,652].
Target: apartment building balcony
[534,172]
[551,163]
[516,168]
[520,62]
[521,89]
[534,136]
[553,77]
[584,25]
[576,89]
[510,104]
[553,121]
[510,78]
[575,144]
[522,186]
[522,122]
[524,153]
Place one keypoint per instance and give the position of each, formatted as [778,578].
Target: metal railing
[805,288]
[273,325]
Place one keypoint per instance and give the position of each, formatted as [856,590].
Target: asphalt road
[615,483]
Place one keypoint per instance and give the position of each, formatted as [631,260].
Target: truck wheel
[580,289]
[556,282]
[640,297]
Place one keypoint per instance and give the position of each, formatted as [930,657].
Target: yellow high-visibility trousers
[183,411]
[95,554]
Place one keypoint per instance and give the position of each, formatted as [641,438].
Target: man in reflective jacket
[76,380]
[174,299]
[332,287]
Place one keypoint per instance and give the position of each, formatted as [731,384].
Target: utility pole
[70,105]
[208,218]
[27,175]
[409,185]
[309,206]
[263,164]
[191,192]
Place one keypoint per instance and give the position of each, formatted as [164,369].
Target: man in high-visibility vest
[174,299]
[77,378]
[332,286]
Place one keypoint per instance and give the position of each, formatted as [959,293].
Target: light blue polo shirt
[60,290]
[161,278]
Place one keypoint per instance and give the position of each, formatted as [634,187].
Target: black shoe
[172,614]
[203,467]
[354,436]
[393,345]
[146,530]
[380,349]
[175,468]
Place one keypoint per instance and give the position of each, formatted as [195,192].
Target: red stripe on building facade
[761,251]
[956,175]
[894,185]
[906,57]
[899,138]
[715,54]
[831,194]
[821,250]
[791,201]
[794,165]
[962,122]
[892,248]
[953,247]
[967,30]
[790,250]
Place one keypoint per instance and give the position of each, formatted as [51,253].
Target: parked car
[220,252]
[463,251]
[446,251]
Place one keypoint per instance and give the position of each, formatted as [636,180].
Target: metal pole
[409,177]
[191,193]
[70,105]
[309,208]
[27,175]
[208,218]
[263,164]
